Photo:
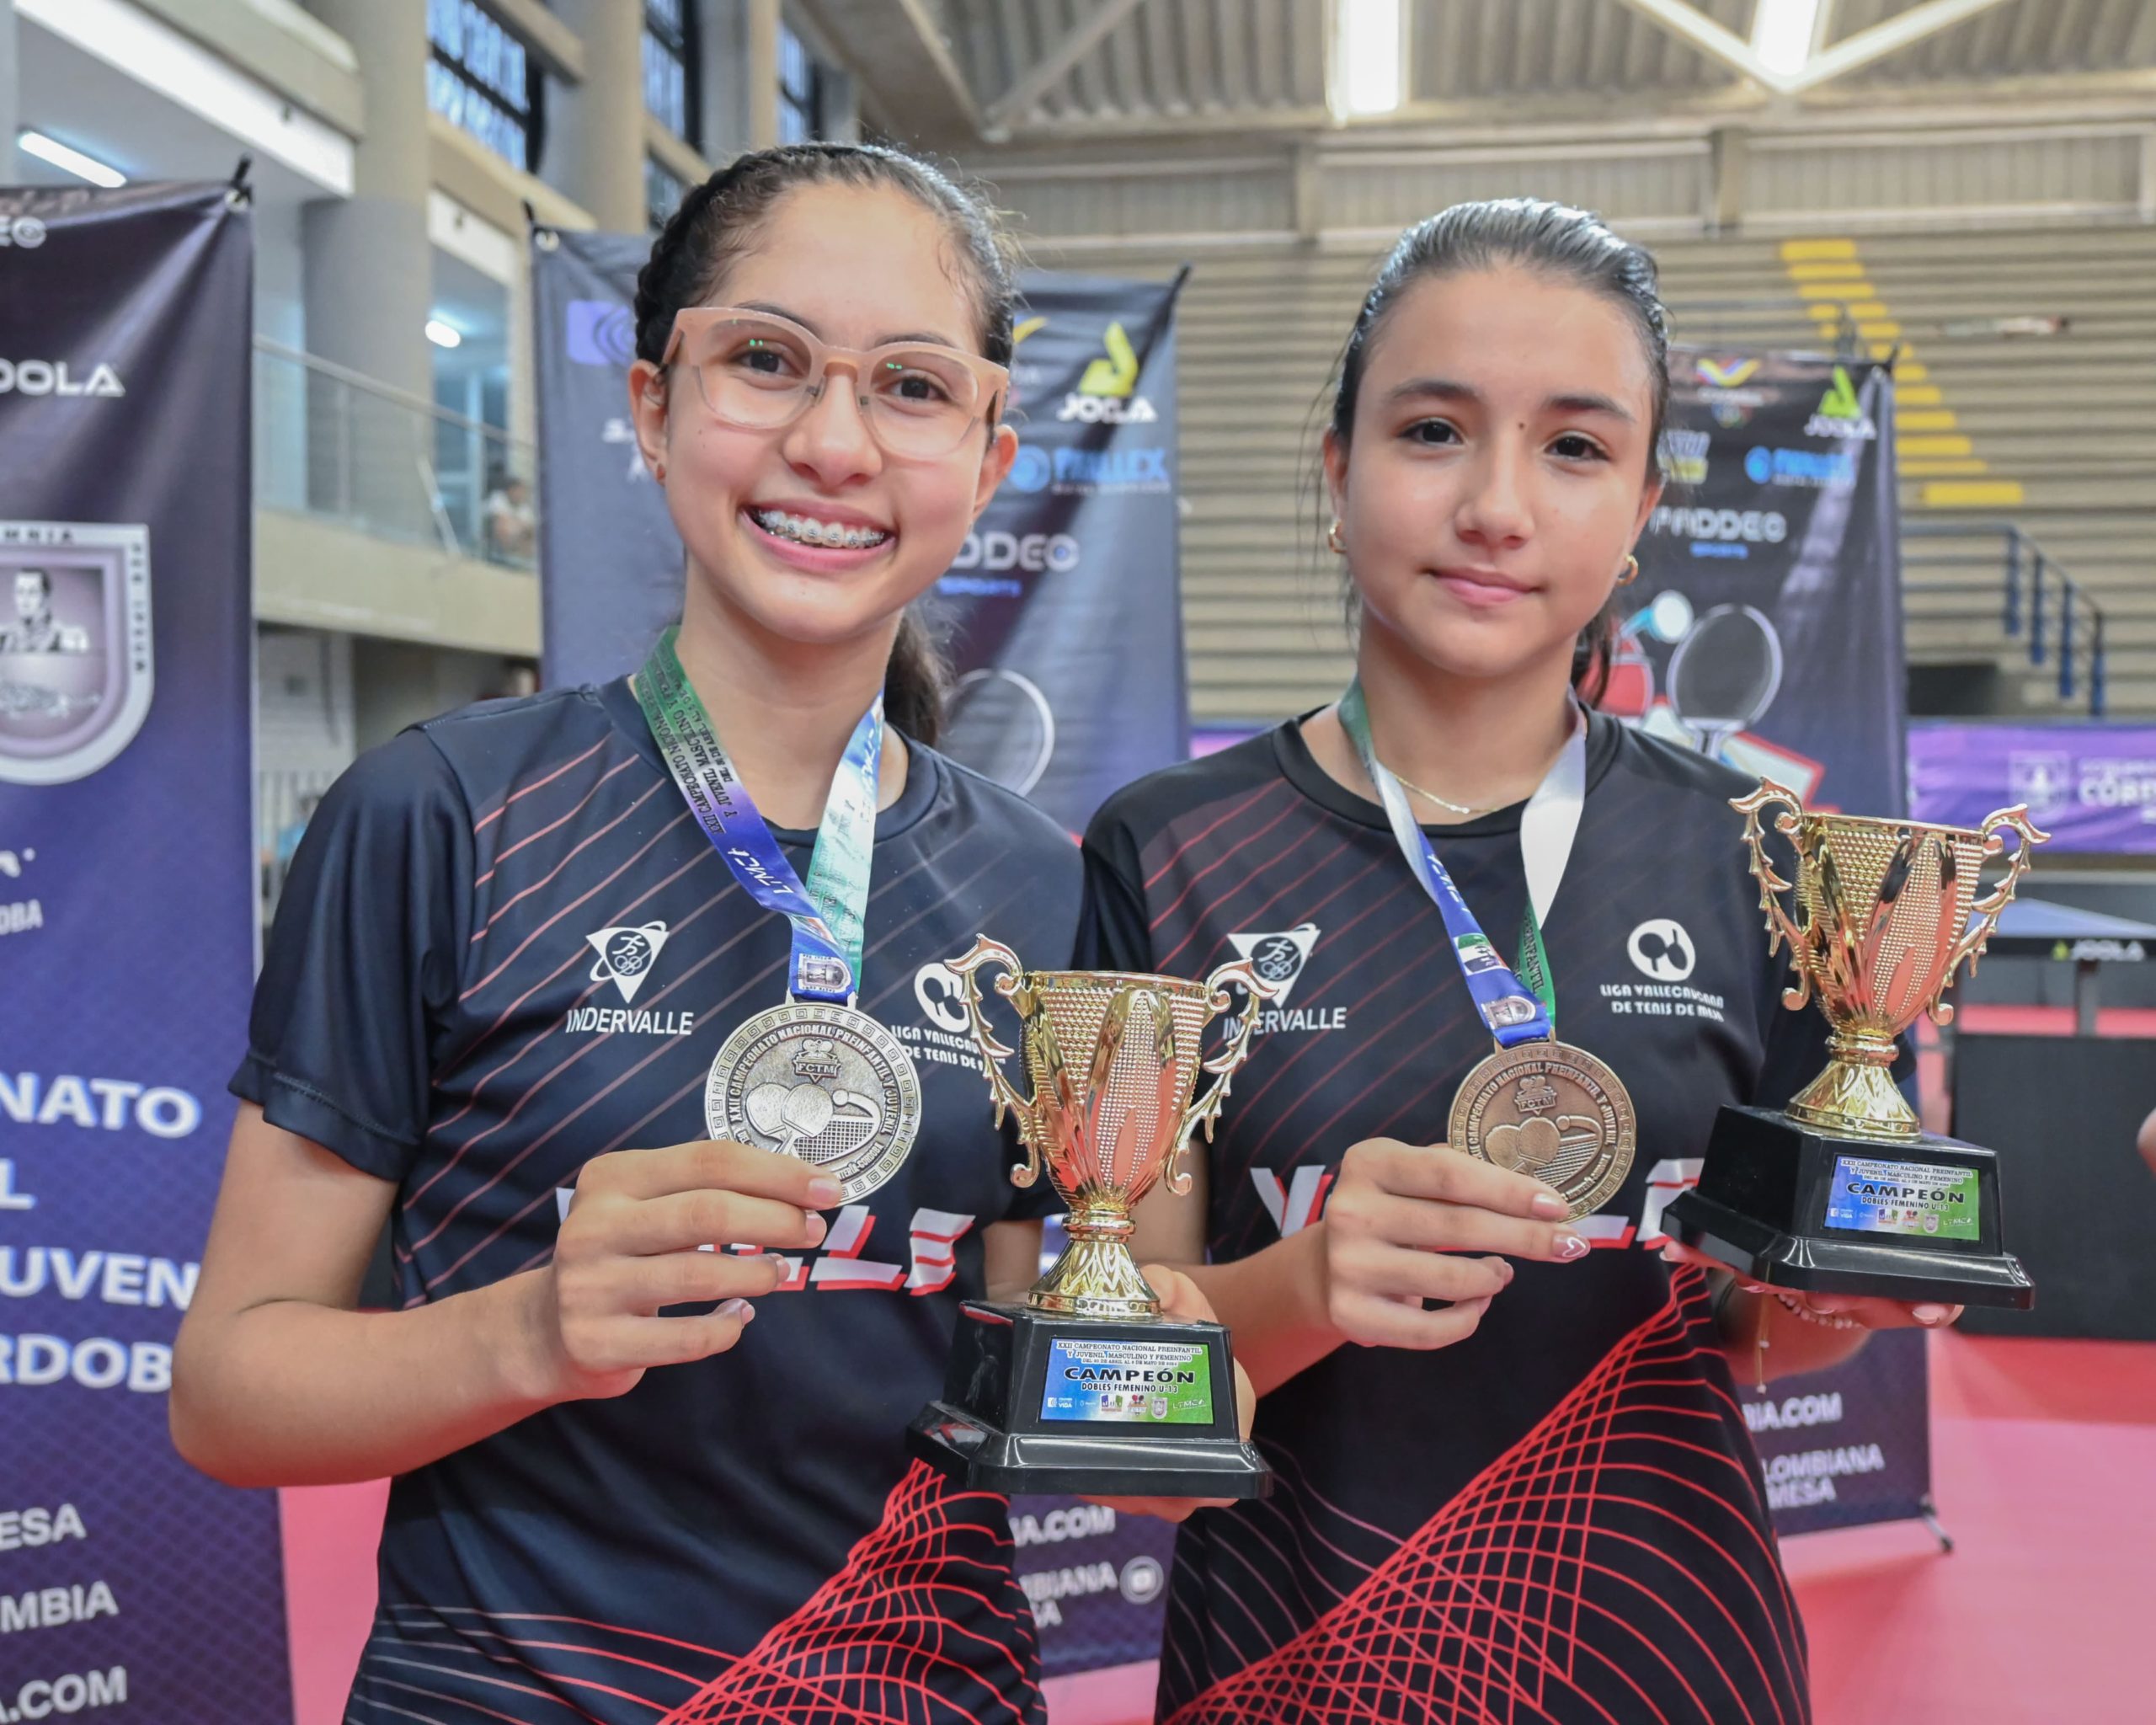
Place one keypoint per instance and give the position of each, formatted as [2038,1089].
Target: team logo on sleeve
[1279,957]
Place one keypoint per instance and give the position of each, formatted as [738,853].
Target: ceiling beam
[897,51]
[1890,36]
[1691,26]
[1684,21]
[1053,66]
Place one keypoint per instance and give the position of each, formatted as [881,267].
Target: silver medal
[825,1083]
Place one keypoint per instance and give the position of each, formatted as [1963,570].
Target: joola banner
[1063,618]
[127,927]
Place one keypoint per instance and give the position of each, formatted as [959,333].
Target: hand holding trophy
[1843,1192]
[1086,1387]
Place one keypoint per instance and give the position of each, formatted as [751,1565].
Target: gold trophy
[1843,1192]
[1086,1387]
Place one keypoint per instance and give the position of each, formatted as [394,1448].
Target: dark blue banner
[1062,613]
[127,933]
[1766,627]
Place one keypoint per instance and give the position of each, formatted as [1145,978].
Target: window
[481,80]
[669,89]
[663,192]
[800,91]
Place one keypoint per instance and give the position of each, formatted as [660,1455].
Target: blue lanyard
[828,913]
[1514,1012]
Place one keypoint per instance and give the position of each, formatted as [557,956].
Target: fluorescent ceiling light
[441,335]
[1368,48]
[1782,32]
[158,57]
[74,162]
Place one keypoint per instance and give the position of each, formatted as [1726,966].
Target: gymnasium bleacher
[2053,432]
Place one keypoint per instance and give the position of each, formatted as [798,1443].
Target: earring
[1337,545]
[1631,572]
[658,472]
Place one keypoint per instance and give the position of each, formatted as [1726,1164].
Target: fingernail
[1930,1314]
[1568,1247]
[737,1308]
[1550,1207]
[1505,1268]
[817,1227]
[824,1190]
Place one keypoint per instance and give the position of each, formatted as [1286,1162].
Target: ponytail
[917,680]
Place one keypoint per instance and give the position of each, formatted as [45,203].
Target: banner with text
[1062,610]
[127,922]
[2091,787]
[1765,630]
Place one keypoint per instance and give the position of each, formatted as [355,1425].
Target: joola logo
[1841,414]
[53,378]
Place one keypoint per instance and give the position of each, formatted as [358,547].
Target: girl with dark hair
[529,1003]
[1514,1483]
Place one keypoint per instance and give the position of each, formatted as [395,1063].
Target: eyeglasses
[763,372]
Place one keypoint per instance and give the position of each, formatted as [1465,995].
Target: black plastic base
[989,1430]
[1761,1204]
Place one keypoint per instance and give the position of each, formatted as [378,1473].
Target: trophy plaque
[1843,1192]
[1085,1387]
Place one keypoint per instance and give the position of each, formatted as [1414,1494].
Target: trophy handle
[1984,914]
[1206,1109]
[983,953]
[1781,924]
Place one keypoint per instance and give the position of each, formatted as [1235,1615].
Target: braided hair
[718,220]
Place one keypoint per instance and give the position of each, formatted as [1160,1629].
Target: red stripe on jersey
[1226,857]
[1251,801]
[522,791]
[533,838]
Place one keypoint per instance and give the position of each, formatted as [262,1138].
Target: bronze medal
[1552,1111]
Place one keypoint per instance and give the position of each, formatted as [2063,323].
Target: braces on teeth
[809,532]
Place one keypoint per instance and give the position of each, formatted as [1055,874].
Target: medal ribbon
[1516,1011]
[828,913]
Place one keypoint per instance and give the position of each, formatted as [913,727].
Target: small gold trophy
[1843,1192]
[1085,1387]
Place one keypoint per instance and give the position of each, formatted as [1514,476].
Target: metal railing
[333,443]
[2023,585]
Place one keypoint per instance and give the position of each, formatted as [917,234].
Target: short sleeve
[1113,930]
[363,961]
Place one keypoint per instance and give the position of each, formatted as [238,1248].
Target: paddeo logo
[1840,413]
[1107,388]
[1034,552]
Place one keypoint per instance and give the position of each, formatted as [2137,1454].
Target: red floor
[2044,1468]
[2043,1457]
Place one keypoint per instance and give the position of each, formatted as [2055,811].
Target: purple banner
[128,1581]
[2091,787]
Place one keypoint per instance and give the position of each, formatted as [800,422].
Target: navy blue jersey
[1561,1519]
[505,947]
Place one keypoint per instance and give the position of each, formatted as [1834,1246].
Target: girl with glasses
[1520,965]
[623,1007]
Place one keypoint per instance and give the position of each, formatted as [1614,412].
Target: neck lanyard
[1516,1010]
[828,912]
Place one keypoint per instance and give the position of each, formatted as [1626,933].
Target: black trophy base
[1794,1206]
[1102,1407]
